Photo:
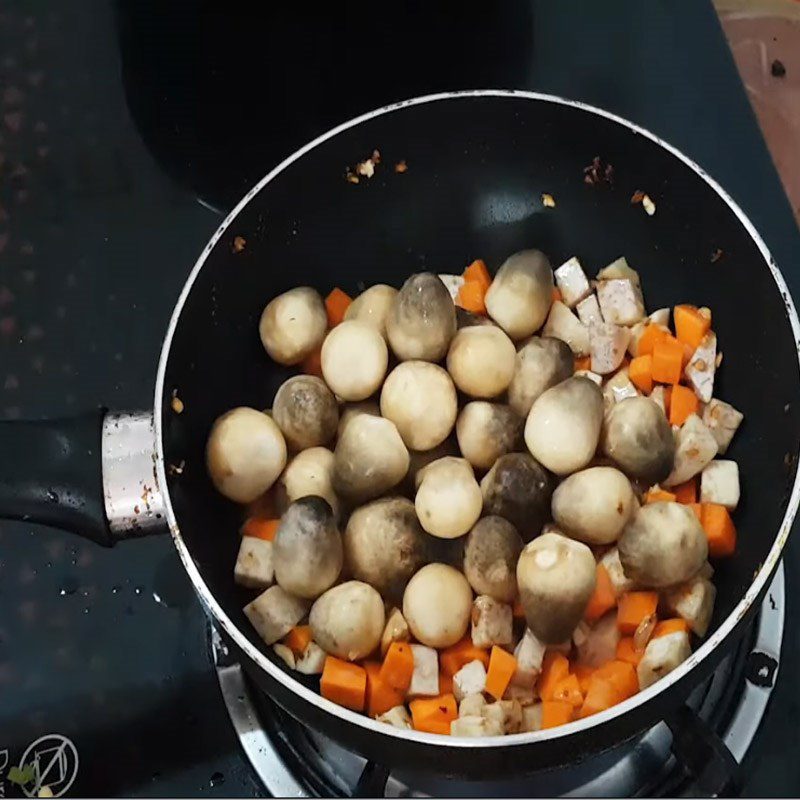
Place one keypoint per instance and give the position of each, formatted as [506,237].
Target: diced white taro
[700,369]
[659,397]
[592,376]
[470,679]
[619,269]
[472,705]
[254,563]
[572,282]
[532,718]
[453,283]
[474,726]
[636,333]
[589,311]
[563,324]
[618,388]
[660,317]
[397,717]
[661,656]
[694,602]
[719,483]
[616,573]
[425,678]
[512,714]
[312,661]
[492,622]
[275,612]
[607,344]
[529,654]
[601,642]
[695,447]
[524,695]
[620,301]
[581,633]
[395,630]
[285,654]
[723,420]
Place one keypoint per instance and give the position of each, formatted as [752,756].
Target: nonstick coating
[477,166]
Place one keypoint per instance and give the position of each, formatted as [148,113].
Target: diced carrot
[582,363]
[298,638]
[627,651]
[688,352]
[453,658]
[690,325]
[517,611]
[583,672]
[555,713]
[261,528]
[633,607]
[472,297]
[698,511]
[603,598]
[445,683]
[720,530]
[668,626]
[336,303]
[555,667]
[667,360]
[640,372]
[621,675]
[398,666]
[684,403]
[502,666]
[344,683]
[647,341]
[655,494]
[569,690]
[477,271]
[433,714]
[312,364]
[380,696]
[667,400]
[686,493]
[557,296]
[600,695]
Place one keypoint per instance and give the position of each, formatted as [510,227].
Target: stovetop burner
[293,760]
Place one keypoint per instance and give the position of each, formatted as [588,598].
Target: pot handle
[704,755]
[93,474]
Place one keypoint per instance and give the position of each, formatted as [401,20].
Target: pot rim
[373,726]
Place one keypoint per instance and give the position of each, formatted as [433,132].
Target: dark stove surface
[113,120]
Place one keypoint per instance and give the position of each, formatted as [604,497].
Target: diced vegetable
[475,725]
[502,666]
[397,717]
[398,666]
[312,363]
[582,363]
[380,696]
[655,494]
[285,655]
[659,397]
[453,658]
[529,654]
[592,376]
[568,689]
[254,565]
[661,656]
[620,301]
[640,371]
[532,718]
[608,343]
[694,448]
[478,272]
[667,360]
[395,630]
[312,661]
[298,638]
[563,324]
[472,297]
[601,642]
[690,325]
[683,404]
[651,336]
[344,683]
[619,580]
[668,626]
[336,304]
[619,269]
[445,683]
[472,705]
[621,675]
[660,317]
[274,613]
[628,651]
[633,608]
[720,530]
[434,715]
[723,420]
[600,695]
[603,599]
[572,282]
[719,483]
[589,311]
[702,366]
[618,388]
[491,622]
[261,528]
[425,678]
[686,493]
[525,695]
[555,667]
[555,713]
[470,679]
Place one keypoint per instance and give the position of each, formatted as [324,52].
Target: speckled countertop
[97,234]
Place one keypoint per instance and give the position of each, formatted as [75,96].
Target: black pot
[478,163]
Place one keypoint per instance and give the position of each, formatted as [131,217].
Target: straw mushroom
[481,360]
[540,364]
[350,410]
[422,319]
[354,360]
[491,553]
[487,431]
[437,605]
[448,500]
[306,411]
[293,325]
[245,454]
[372,306]
[310,472]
